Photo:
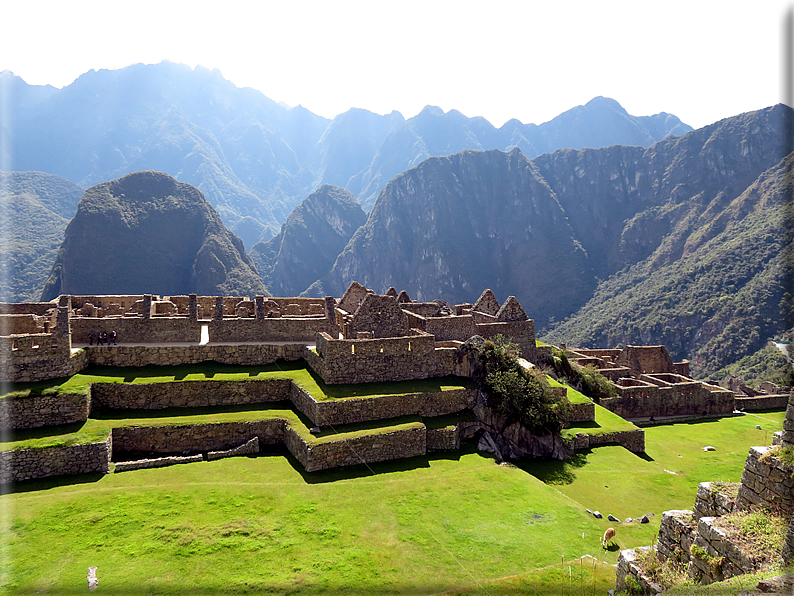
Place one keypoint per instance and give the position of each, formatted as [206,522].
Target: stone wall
[22,308]
[458,328]
[17,324]
[582,412]
[381,316]
[104,301]
[676,534]
[250,447]
[246,355]
[714,541]
[682,399]
[35,357]
[197,437]
[187,394]
[520,332]
[766,481]
[27,464]
[628,572]
[406,442]
[292,329]
[761,402]
[633,440]
[35,411]
[711,502]
[157,462]
[138,329]
[444,439]
[376,360]
[351,410]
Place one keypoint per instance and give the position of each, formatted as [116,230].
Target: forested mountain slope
[147,233]
[34,211]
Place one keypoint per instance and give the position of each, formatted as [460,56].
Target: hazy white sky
[700,60]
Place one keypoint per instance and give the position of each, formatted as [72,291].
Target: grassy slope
[424,525]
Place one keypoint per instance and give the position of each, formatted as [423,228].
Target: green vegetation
[587,378]
[712,293]
[454,521]
[520,394]
[665,573]
[758,533]
[605,422]
[296,371]
[42,205]
[767,364]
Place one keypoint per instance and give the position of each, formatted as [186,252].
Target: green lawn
[296,371]
[453,522]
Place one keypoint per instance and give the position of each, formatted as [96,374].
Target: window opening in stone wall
[409,346]
[35,347]
[381,349]
[205,335]
[353,348]
[14,345]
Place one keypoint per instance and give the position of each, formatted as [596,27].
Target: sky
[700,60]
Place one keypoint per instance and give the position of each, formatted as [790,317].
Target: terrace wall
[188,394]
[197,437]
[633,440]
[35,411]
[377,360]
[245,355]
[397,444]
[351,410]
[761,402]
[766,481]
[27,464]
[138,329]
[709,502]
[292,329]
[681,399]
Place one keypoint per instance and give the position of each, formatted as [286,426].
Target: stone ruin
[362,337]
[697,542]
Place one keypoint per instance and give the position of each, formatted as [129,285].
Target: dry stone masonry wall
[26,464]
[35,411]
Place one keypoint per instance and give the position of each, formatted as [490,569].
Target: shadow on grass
[42,432]
[554,471]
[374,469]
[50,482]
[388,388]
[208,369]
[108,414]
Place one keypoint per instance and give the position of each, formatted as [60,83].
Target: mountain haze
[254,159]
[36,209]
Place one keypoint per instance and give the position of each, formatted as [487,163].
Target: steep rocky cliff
[315,233]
[473,220]
[673,244]
[149,233]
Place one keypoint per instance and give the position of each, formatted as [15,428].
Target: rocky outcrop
[149,233]
[315,233]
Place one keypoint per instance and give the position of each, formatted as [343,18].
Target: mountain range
[255,159]
[678,243]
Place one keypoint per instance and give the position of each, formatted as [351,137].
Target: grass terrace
[213,371]
[453,522]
